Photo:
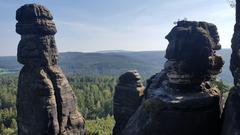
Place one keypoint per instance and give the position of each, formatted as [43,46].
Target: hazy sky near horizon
[135,25]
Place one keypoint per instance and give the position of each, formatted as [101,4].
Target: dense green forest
[94,98]
[94,95]
[8,86]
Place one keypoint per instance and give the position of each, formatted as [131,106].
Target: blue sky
[135,25]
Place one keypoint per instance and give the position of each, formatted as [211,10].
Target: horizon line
[109,51]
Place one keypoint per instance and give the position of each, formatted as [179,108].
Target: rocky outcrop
[46,104]
[235,57]
[231,114]
[127,98]
[180,100]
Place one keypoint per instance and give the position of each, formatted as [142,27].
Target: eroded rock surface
[231,114]
[46,103]
[180,100]
[235,57]
[127,98]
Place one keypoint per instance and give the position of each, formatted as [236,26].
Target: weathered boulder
[180,100]
[231,113]
[127,98]
[46,103]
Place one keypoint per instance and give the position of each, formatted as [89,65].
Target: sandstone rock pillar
[180,100]
[231,114]
[46,104]
[127,98]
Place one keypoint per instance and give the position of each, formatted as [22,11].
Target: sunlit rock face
[46,103]
[180,100]
[37,45]
[231,114]
[127,98]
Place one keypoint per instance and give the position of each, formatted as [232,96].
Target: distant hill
[103,64]
[112,51]
[226,75]
[113,63]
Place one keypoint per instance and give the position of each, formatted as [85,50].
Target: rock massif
[46,104]
[231,114]
[180,100]
[127,98]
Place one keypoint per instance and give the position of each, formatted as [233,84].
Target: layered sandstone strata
[180,100]
[127,98]
[46,103]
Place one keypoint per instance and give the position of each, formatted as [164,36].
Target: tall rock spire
[46,103]
[235,57]
[231,114]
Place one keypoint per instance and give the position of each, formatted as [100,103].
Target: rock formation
[235,57]
[46,104]
[127,98]
[180,100]
[231,114]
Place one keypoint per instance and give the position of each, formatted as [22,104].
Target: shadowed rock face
[190,52]
[180,100]
[46,104]
[235,57]
[231,113]
[127,98]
